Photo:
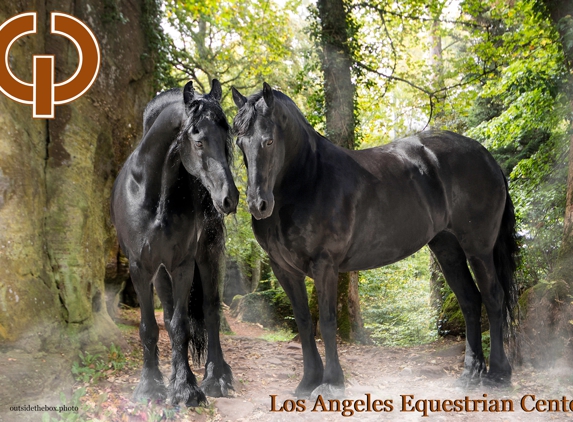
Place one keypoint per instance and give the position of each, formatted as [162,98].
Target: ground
[263,368]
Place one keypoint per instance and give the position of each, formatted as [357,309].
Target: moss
[451,319]
[523,302]
[343,312]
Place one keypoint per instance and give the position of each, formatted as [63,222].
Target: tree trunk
[255,275]
[339,100]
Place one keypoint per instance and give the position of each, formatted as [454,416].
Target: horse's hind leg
[162,283]
[452,260]
[151,383]
[295,289]
[218,378]
[493,298]
[182,384]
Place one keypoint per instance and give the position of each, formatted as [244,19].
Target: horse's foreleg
[151,384]
[325,276]
[493,299]
[452,260]
[295,289]
[218,378]
[182,384]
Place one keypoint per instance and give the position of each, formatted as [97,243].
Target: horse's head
[205,145]
[259,138]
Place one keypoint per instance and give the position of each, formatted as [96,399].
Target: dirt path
[262,368]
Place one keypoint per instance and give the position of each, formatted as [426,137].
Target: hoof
[328,391]
[150,388]
[303,393]
[308,384]
[472,375]
[214,386]
[468,381]
[186,391]
[497,379]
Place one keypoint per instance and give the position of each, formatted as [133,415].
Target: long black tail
[505,253]
[198,343]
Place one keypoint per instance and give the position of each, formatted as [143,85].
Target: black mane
[256,104]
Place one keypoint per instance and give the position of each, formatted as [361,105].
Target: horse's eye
[270,142]
[199,144]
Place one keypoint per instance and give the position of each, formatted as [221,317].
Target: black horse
[166,206]
[319,209]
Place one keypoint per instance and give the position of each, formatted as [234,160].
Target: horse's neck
[301,163]
[157,157]
[169,175]
[158,139]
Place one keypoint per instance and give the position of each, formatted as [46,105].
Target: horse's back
[420,186]
[458,163]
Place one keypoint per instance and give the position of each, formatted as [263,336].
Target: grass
[126,328]
[279,335]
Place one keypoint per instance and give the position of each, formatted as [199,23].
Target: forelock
[247,114]
[205,107]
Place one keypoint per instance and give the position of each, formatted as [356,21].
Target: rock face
[57,245]
[270,308]
[234,282]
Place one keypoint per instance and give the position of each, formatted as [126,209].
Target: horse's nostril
[263,206]
[227,204]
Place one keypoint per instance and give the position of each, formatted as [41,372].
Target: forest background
[495,71]
[498,71]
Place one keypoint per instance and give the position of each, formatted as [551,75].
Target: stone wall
[57,245]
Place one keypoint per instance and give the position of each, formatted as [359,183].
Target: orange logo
[43,93]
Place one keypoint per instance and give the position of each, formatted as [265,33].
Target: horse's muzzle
[227,204]
[261,208]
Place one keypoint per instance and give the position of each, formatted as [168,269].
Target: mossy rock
[451,320]
[545,331]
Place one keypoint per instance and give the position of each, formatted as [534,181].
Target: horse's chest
[286,237]
[170,239]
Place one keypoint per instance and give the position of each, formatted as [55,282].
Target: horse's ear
[238,98]
[268,95]
[216,90]
[188,93]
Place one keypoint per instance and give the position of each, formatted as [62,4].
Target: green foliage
[395,302]
[486,344]
[158,44]
[240,42]
[91,368]
[526,129]
[241,244]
